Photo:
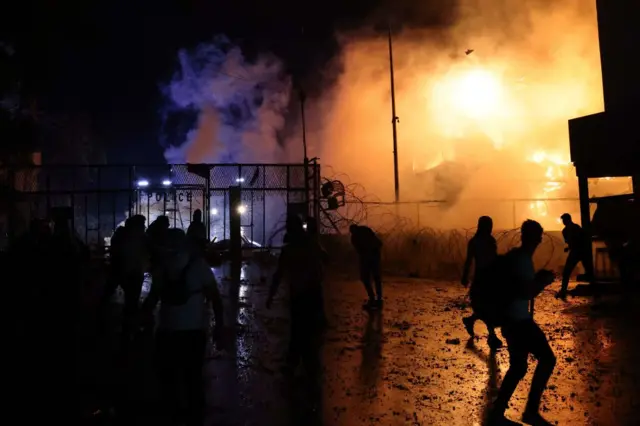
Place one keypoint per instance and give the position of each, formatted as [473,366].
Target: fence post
[235,201]
[264,206]
[207,204]
[131,173]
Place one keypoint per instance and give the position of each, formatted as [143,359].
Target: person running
[368,246]
[300,263]
[183,283]
[482,251]
[577,247]
[522,333]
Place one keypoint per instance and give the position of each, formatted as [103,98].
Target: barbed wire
[404,239]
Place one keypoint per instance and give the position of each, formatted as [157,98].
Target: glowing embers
[475,93]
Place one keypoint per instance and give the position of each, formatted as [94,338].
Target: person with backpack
[481,250]
[518,285]
[368,247]
[182,284]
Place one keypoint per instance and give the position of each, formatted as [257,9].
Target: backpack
[175,292]
[493,290]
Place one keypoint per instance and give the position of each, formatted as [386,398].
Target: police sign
[180,196]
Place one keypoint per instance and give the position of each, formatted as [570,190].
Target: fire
[486,126]
[476,93]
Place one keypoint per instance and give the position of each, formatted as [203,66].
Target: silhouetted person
[521,332]
[368,246]
[578,248]
[482,251]
[186,288]
[129,257]
[156,236]
[300,265]
[312,231]
[28,256]
[68,261]
[197,233]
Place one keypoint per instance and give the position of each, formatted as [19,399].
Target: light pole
[394,121]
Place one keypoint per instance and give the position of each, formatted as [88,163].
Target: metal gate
[103,196]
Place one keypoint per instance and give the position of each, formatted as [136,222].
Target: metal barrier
[103,196]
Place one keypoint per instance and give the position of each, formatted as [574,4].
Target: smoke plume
[240,104]
[483,106]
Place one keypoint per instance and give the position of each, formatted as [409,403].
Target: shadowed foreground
[409,365]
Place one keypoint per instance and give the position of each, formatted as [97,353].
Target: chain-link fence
[102,197]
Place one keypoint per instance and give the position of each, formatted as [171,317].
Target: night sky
[108,59]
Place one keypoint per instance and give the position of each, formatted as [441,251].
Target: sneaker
[468,325]
[535,419]
[494,342]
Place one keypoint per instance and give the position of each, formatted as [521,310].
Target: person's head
[353,228]
[163,221]
[566,219]
[531,234]
[176,242]
[197,215]
[295,226]
[138,221]
[485,226]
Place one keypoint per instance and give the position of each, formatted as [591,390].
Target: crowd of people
[183,284]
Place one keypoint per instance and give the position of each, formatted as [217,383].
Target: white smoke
[241,105]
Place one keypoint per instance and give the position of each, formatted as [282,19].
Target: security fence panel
[102,197]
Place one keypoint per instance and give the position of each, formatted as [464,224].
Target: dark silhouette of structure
[607,144]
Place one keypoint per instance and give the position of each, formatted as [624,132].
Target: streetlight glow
[214,212]
[143,183]
[242,209]
[166,182]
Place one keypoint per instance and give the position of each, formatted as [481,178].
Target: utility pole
[304,145]
[304,126]
[306,158]
[394,121]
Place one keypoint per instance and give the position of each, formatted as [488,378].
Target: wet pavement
[411,364]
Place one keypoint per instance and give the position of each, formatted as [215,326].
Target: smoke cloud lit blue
[240,105]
